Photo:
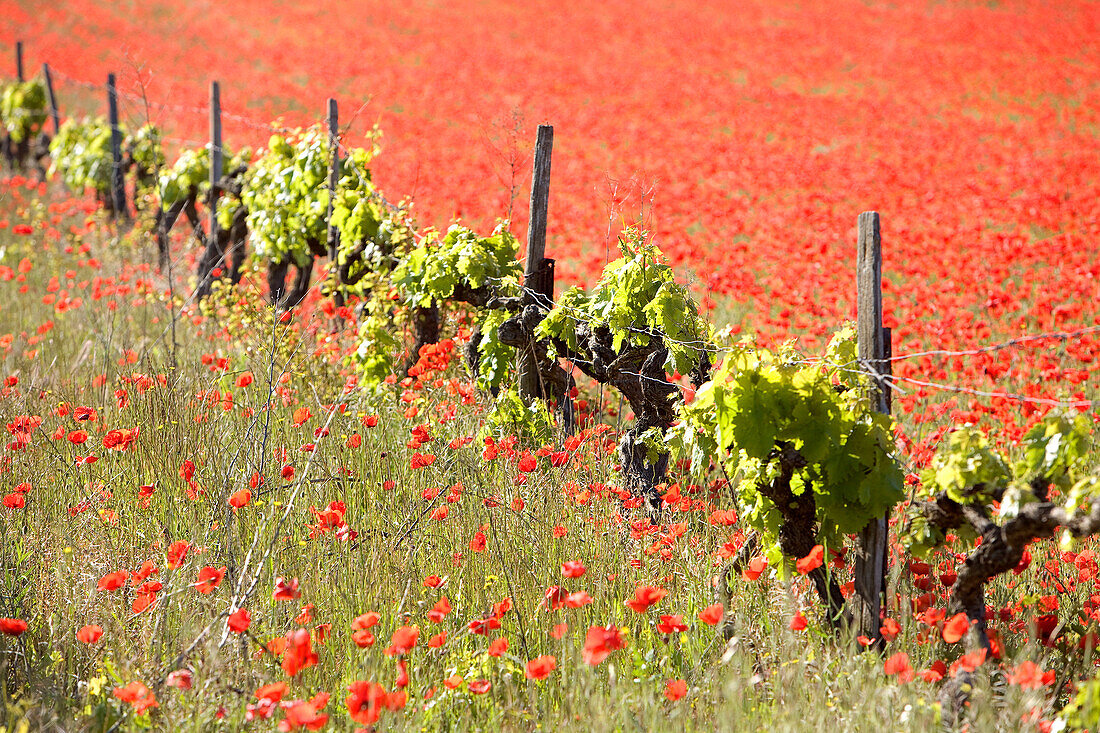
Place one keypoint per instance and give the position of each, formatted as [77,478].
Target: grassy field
[155,444]
[212,521]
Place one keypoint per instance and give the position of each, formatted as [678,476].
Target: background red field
[748,136]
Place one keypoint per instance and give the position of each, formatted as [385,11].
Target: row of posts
[874,342]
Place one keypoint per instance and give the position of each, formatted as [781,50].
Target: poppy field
[227,508]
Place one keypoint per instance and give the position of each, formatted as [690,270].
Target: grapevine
[229,240]
[81,154]
[23,109]
[1054,483]
[22,114]
[145,156]
[810,459]
[462,266]
[287,199]
[636,326]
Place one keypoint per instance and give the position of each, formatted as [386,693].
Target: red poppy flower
[540,668]
[140,697]
[180,679]
[899,664]
[302,714]
[366,701]
[362,638]
[934,673]
[12,626]
[600,642]
[177,553]
[479,687]
[675,689]
[142,601]
[1030,676]
[240,498]
[286,590]
[301,415]
[273,692]
[671,624]
[403,640]
[969,662]
[85,414]
[798,623]
[299,652]
[956,628]
[89,634]
[500,609]
[756,566]
[118,439]
[812,561]
[498,646]
[402,674]
[439,610]
[305,615]
[209,579]
[644,597]
[573,568]
[711,615]
[112,581]
[366,620]
[527,463]
[239,621]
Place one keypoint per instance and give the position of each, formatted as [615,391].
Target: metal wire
[698,344]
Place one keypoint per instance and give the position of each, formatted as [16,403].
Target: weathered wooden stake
[333,179]
[333,173]
[118,183]
[536,287]
[873,347]
[19,60]
[540,202]
[216,158]
[54,114]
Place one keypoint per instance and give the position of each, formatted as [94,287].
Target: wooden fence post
[216,159]
[213,255]
[118,182]
[54,114]
[333,180]
[873,348]
[538,277]
[19,60]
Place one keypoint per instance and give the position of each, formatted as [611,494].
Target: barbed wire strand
[579,316]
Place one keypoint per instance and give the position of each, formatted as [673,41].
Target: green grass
[764,677]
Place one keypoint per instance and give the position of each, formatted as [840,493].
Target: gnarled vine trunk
[1002,545]
[1002,549]
[426,326]
[798,532]
[554,383]
[638,372]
